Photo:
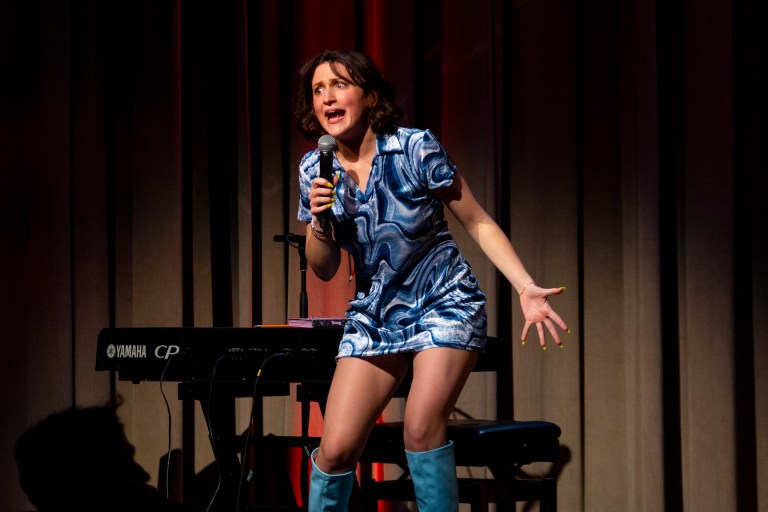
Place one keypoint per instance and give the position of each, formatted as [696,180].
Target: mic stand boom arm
[298,241]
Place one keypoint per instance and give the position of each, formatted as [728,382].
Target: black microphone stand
[298,241]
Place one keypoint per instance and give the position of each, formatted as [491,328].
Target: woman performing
[417,301]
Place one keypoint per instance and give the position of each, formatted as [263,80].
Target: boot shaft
[329,493]
[434,479]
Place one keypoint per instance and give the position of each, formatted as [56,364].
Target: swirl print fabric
[414,289]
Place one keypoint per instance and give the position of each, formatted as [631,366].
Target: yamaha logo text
[140,351]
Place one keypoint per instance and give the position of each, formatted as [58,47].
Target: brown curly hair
[384,115]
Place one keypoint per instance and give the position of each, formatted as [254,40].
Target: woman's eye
[340,85]
[317,90]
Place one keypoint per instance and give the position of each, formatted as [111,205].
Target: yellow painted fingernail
[523,342]
[561,345]
[568,331]
[563,288]
[543,347]
[329,184]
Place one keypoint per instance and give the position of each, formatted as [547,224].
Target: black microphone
[327,145]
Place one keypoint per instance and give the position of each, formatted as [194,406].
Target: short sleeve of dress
[307,172]
[436,166]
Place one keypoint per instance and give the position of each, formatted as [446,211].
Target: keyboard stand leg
[304,477]
[219,414]
[306,394]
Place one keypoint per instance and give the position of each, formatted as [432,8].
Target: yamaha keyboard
[224,353]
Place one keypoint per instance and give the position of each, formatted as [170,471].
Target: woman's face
[340,106]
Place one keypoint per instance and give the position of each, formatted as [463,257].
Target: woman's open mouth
[334,115]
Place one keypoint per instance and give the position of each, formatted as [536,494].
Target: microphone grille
[326,143]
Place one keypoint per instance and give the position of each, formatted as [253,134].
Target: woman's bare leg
[360,390]
[439,374]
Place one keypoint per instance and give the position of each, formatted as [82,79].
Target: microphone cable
[210,432]
[170,420]
[250,425]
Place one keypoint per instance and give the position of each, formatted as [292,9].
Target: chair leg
[548,501]
[481,502]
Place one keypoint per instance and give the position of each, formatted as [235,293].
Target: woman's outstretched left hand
[537,311]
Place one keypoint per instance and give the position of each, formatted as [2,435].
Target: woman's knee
[424,434]
[336,455]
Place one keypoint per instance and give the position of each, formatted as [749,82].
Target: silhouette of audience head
[80,460]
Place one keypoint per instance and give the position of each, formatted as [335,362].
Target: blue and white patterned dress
[414,288]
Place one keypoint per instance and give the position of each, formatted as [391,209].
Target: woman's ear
[373,99]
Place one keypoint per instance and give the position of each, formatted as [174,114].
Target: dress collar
[388,143]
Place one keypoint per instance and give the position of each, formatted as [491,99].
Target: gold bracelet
[524,287]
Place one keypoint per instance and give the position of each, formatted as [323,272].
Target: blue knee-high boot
[329,493]
[434,479]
